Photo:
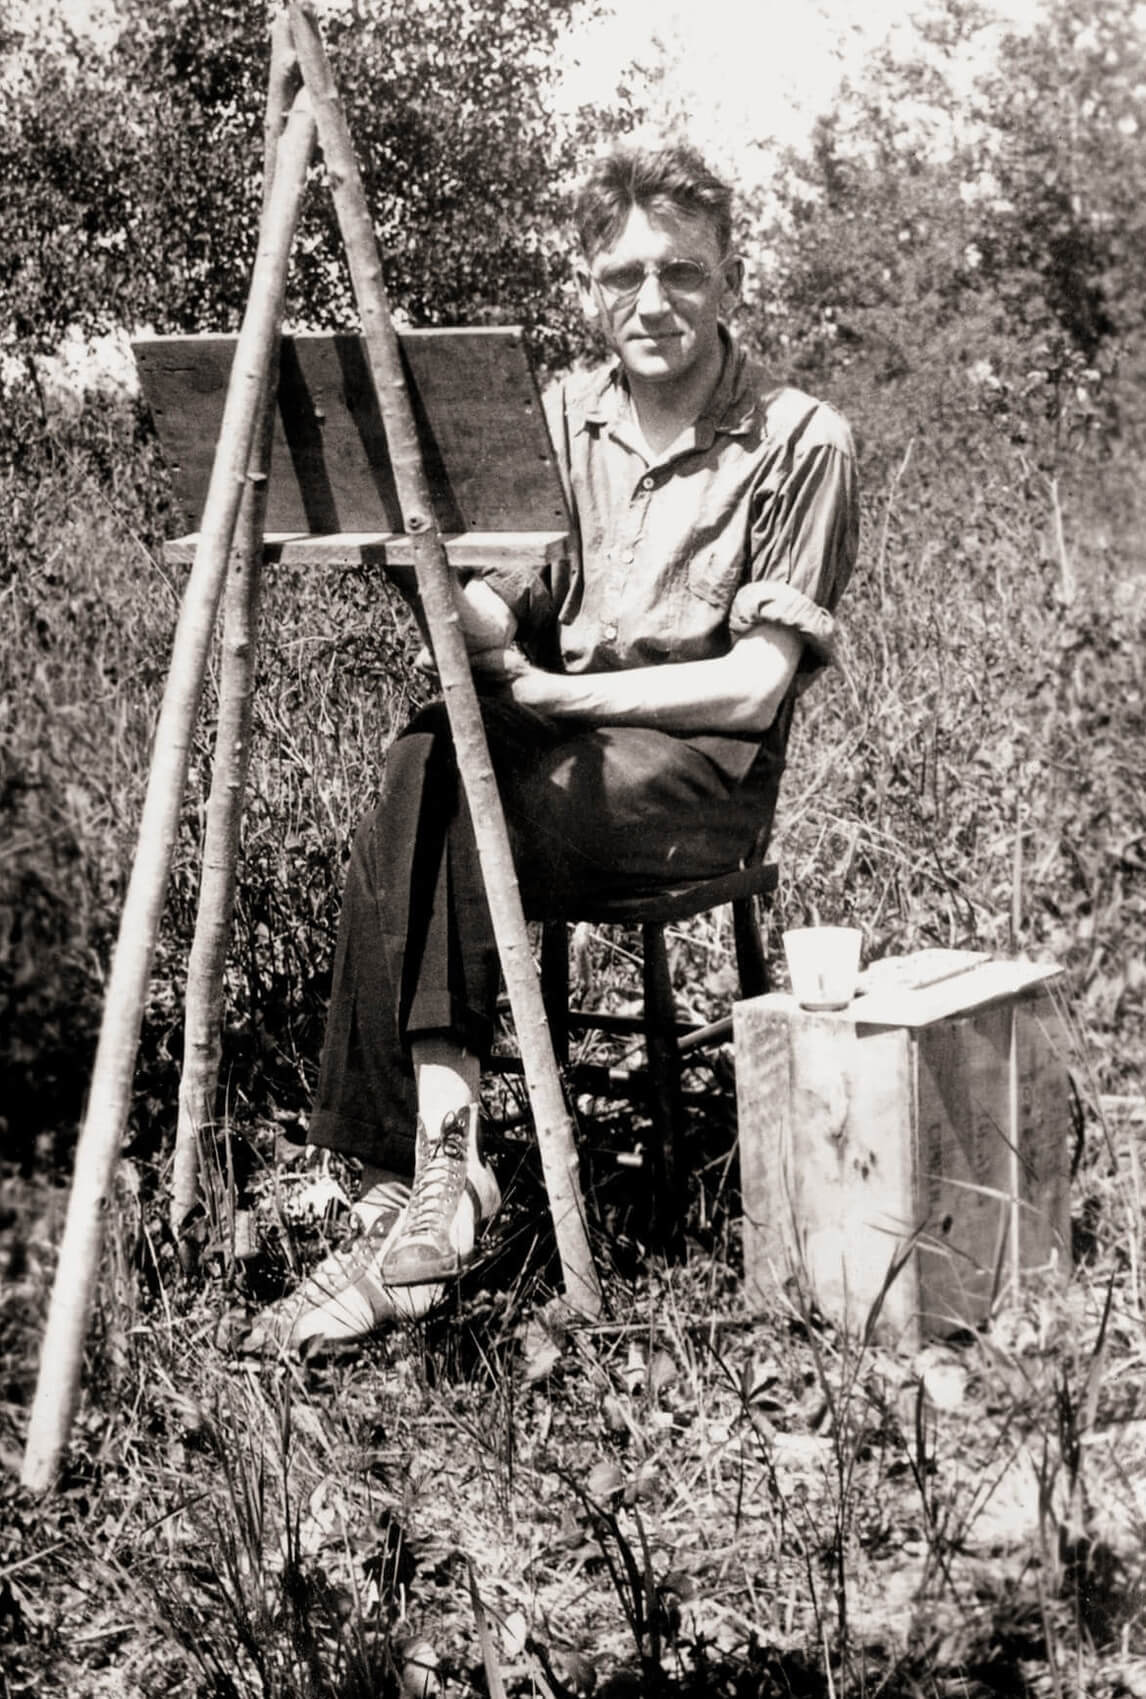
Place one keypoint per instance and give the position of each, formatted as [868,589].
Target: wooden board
[965,1167]
[488,456]
[764,1096]
[988,982]
[1042,1113]
[852,1173]
[947,1137]
[393,550]
[826,1172]
[917,969]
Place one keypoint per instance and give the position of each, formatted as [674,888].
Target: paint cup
[823,964]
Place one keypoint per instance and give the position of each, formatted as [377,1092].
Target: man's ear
[733,271]
[586,294]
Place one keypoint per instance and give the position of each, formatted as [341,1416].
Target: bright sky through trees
[742,72]
[736,74]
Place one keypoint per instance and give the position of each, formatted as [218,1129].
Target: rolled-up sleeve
[523,589]
[804,539]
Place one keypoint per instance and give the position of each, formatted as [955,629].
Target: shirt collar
[730,410]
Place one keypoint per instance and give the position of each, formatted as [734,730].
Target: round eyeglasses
[621,284]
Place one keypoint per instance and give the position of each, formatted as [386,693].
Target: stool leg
[665,1104]
[555,985]
[751,961]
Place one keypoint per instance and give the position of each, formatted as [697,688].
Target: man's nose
[651,297]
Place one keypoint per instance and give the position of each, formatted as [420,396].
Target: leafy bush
[135,171]
[90,619]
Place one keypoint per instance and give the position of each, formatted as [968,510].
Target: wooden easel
[330,500]
[233,521]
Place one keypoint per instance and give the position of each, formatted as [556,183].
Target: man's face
[663,326]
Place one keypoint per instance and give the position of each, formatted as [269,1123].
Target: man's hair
[673,179]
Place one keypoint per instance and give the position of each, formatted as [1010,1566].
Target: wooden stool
[666,1038]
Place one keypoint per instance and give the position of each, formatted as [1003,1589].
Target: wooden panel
[1043,1115]
[826,1161]
[479,397]
[967,1171]
[918,968]
[335,471]
[487,450]
[853,1170]
[987,983]
[764,1107]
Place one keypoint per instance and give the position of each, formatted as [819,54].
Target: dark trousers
[603,811]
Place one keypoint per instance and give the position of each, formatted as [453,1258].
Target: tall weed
[969,775]
[90,611]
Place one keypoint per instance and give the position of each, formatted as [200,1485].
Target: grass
[687,1498]
[682,1499]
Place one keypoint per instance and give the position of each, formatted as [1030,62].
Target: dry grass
[686,1499]
[683,1499]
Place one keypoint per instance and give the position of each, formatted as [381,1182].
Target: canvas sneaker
[455,1196]
[343,1298]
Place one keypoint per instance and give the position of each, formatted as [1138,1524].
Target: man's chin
[655,357]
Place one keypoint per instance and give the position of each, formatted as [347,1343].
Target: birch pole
[109,1100]
[206,966]
[435,589]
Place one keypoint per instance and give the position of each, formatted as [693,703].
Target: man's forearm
[737,692]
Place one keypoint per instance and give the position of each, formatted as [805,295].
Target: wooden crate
[929,1123]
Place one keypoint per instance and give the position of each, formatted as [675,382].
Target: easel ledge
[392,549]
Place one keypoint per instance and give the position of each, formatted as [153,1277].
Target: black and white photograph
[572,849]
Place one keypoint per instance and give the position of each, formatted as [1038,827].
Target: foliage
[1063,139]
[973,254]
[89,618]
[135,169]
[72,760]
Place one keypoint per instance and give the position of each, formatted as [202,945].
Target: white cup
[823,963]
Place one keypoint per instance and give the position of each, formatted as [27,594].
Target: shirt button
[646,483]
[609,632]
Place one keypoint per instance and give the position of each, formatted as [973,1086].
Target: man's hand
[488,627]
[497,669]
[737,692]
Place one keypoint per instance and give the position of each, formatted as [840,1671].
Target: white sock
[447,1079]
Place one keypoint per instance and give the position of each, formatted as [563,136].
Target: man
[637,707]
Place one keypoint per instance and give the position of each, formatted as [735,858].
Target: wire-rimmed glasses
[621,284]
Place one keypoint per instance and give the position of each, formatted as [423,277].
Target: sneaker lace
[357,1243]
[338,1266]
[390,1197]
[433,1182]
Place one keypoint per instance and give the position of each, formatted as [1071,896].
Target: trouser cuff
[380,1146]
